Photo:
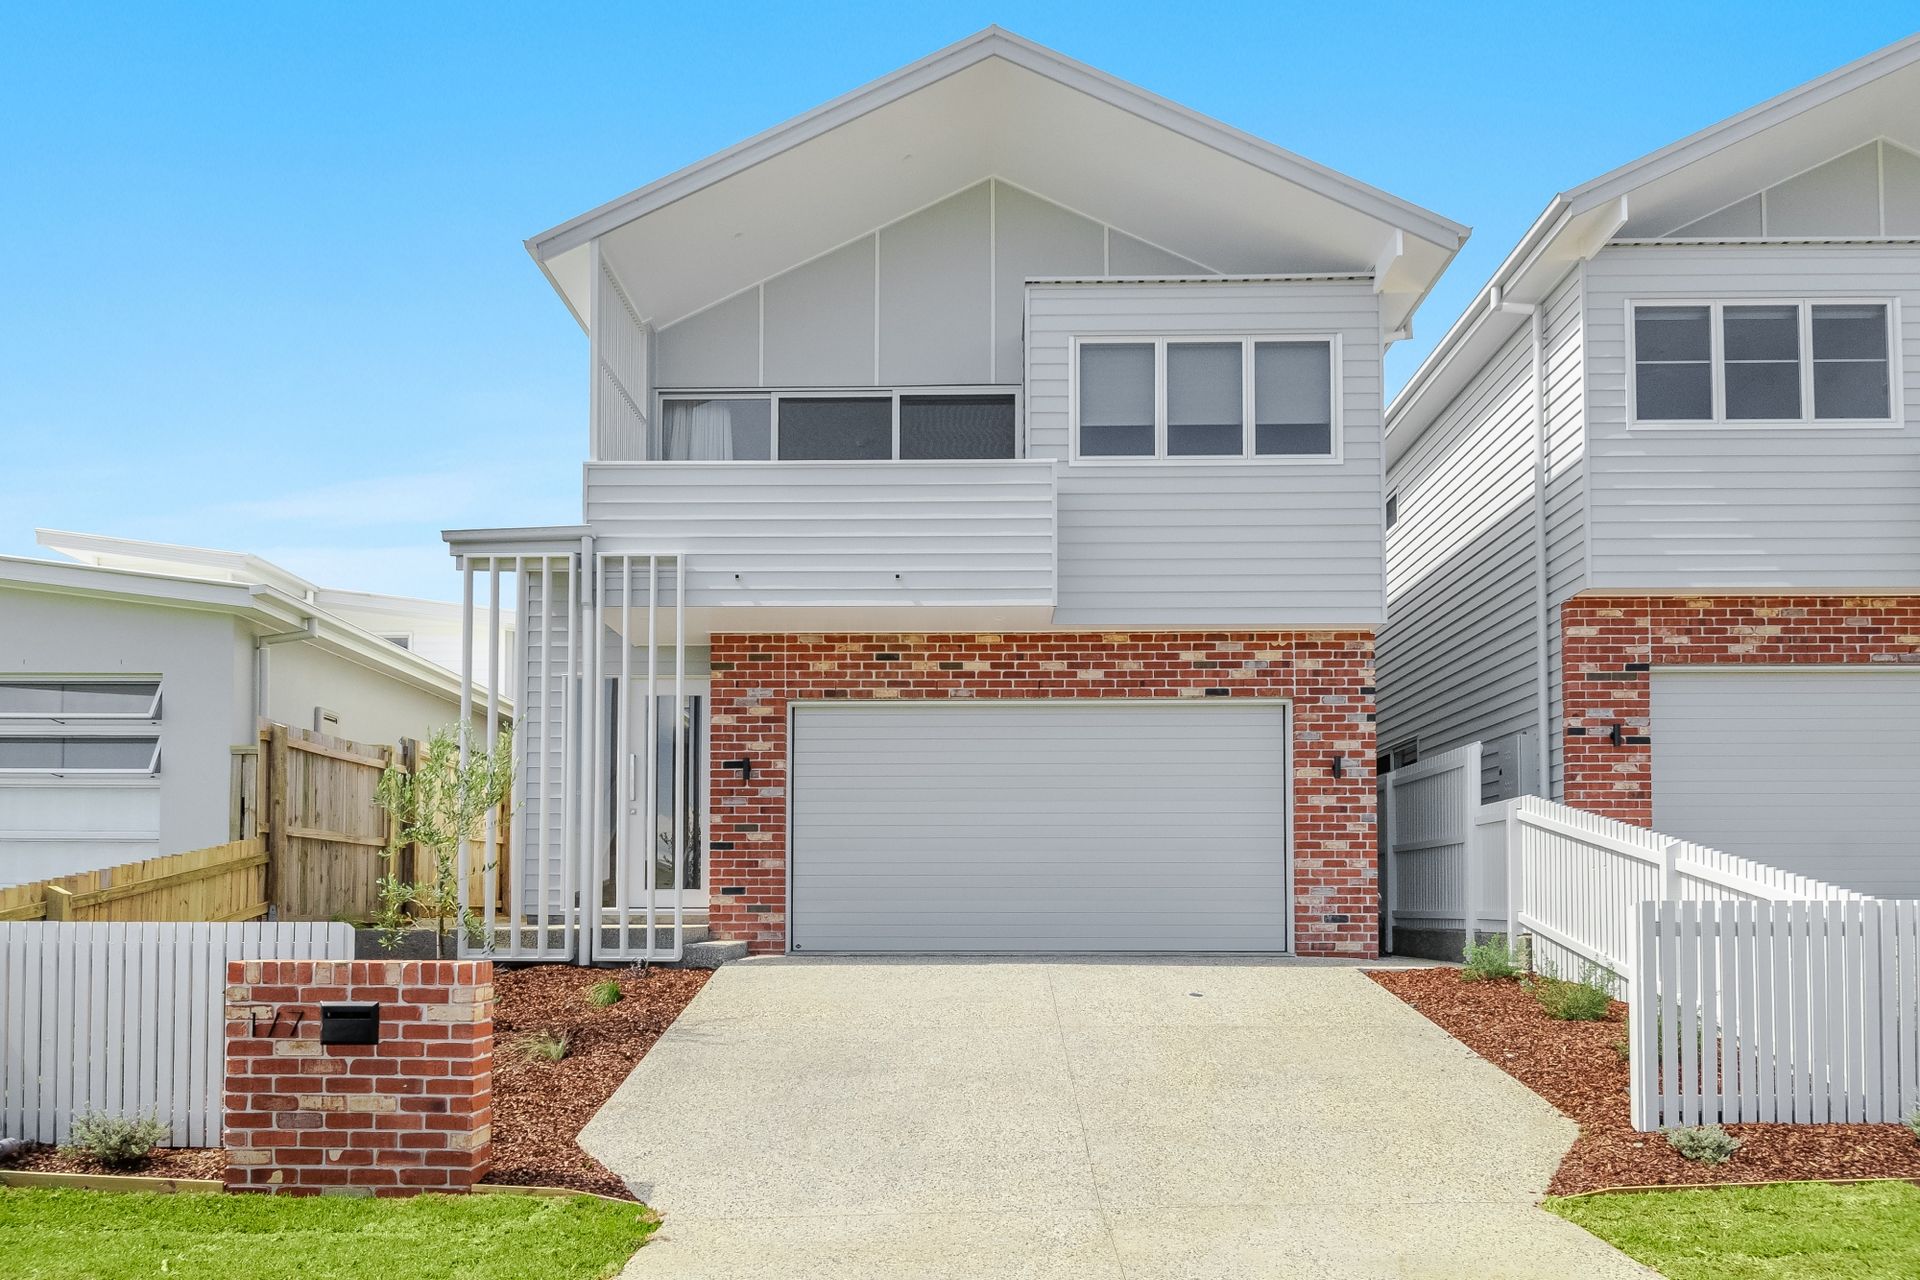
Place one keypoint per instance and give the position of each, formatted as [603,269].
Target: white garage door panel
[1063,826]
[1816,772]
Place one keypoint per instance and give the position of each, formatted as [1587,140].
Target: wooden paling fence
[311,799]
[1801,1012]
[126,1019]
[224,883]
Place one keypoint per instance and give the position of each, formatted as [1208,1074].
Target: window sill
[1224,460]
[1816,424]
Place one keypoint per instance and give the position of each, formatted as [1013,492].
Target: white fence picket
[1802,1012]
[126,1019]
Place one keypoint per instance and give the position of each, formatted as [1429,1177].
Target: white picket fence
[1792,1012]
[126,1019]
[1575,883]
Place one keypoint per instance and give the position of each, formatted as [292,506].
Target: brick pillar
[412,1112]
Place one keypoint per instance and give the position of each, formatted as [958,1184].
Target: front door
[649,857]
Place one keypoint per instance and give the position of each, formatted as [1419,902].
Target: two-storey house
[1654,501]
[982,536]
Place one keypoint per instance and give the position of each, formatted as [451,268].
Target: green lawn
[102,1235]
[1762,1233]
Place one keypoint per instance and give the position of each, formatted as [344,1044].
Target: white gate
[1440,871]
[128,1019]
[591,839]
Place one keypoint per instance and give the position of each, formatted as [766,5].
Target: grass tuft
[1585,999]
[1487,960]
[604,993]
[543,1046]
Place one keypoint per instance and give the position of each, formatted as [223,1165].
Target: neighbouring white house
[1654,501]
[130,671]
[981,546]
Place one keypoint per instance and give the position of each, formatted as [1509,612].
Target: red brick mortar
[1327,675]
[409,1114]
[1612,643]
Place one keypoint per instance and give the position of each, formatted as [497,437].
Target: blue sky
[264,285]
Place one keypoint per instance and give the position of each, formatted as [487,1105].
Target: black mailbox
[349,1024]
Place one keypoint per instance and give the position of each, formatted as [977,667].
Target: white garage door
[1817,772]
[1060,826]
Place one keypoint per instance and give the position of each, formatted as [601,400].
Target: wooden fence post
[276,811]
[59,903]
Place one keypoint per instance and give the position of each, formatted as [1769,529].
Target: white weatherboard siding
[1057,826]
[1458,656]
[1812,771]
[800,533]
[1720,507]
[1245,543]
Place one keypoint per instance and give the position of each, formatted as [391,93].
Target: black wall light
[1339,766]
[1616,735]
[743,764]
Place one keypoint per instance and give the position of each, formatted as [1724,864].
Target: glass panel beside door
[649,856]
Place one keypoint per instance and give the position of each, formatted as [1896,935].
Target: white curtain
[699,431]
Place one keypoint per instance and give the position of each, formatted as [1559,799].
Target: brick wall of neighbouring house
[1328,676]
[1612,644]
[408,1114]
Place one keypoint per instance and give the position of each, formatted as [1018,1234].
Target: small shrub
[1707,1143]
[602,994]
[543,1046]
[1490,959]
[1623,1047]
[1913,1123]
[1585,999]
[115,1141]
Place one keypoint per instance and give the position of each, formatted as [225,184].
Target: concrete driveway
[1086,1118]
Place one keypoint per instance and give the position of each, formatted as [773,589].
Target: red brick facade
[1612,643]
[1327,675]
[408,1114]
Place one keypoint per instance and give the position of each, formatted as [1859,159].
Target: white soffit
[1877,96]
[994,105]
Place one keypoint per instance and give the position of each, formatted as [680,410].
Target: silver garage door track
[1088,1118]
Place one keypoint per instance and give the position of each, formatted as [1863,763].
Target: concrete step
[711,953]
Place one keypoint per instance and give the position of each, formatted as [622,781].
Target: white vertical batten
[463,856]
[516,889]
[649,772]
[490,860]
[623,758]
[679,749]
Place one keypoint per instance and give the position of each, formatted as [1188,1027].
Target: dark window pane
[1850,331]
[956,427]
[77,697]
[716,430]
[1759,333]
[1850,376]
[1671,333]
[1673,392]
[1850,389]
[835,427]
[1763,390]
[1204,399]
[1117,442]
[1116,399]
[76,753]
[1292,398]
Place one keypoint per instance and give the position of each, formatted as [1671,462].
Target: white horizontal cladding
[1759,507]
[1254,542]
[795,534]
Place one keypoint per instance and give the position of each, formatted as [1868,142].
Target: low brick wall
[411,1112]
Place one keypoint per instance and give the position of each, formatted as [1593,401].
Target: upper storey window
[820,427]
[1205,398]
[1762,363]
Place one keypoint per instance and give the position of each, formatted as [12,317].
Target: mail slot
[349,1024]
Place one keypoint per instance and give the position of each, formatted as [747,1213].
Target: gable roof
[993,105]
[1877,96]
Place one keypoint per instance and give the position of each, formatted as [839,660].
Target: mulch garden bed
[1578,1067]
[538,1107]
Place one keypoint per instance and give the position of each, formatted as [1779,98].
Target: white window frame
[776,394]
[1160,341]
[150,716]
[85,724]
[1719,422]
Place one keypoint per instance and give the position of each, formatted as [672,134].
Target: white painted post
[1515,870]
